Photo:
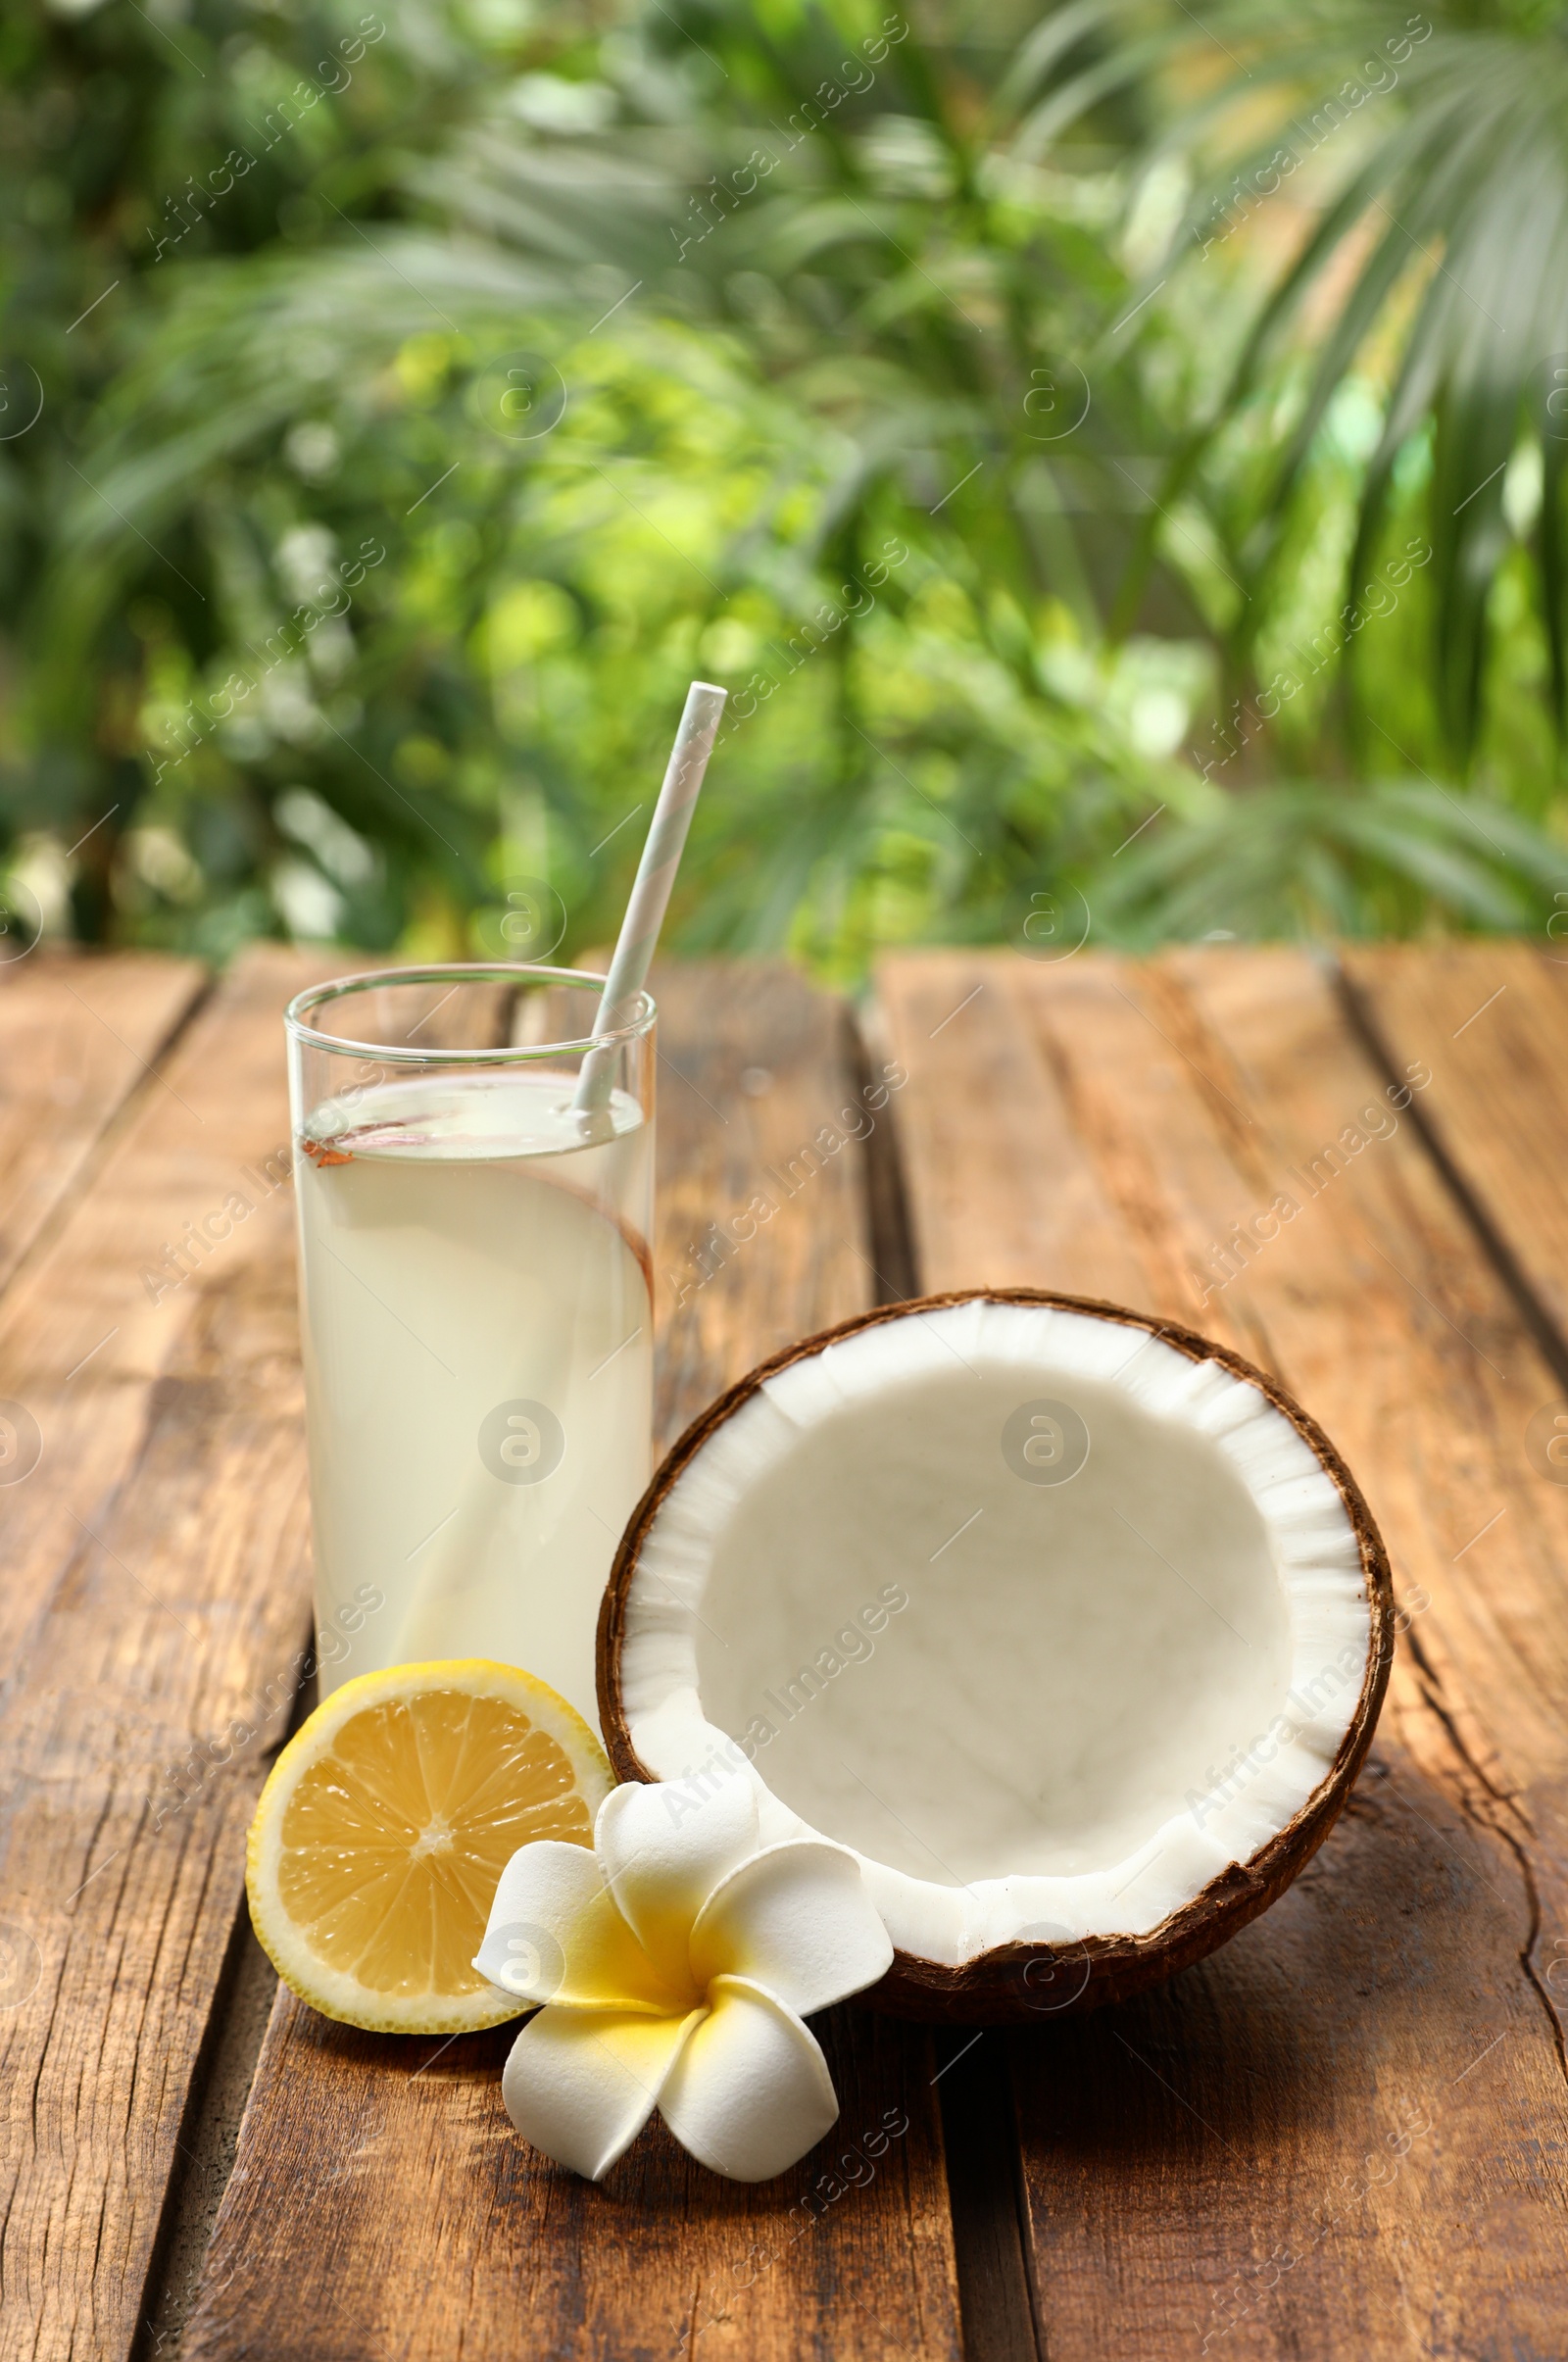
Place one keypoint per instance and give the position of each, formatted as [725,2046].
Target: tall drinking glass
[475,1311]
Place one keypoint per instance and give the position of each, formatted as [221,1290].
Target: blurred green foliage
[1116,466]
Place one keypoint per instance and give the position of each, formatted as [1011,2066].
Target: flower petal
[581,2083]
[554,1935]
[750,2090]
[798,1919]
[663,1849]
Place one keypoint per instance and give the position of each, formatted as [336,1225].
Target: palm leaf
[1301,859]
[1462,178]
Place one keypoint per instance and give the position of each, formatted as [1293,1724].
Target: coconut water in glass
[475,1311]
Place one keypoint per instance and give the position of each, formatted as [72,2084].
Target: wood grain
[78,1035]
[1489,1019]
[1177,2151]
[962,1021]
[156,1581]
[381,2203]
[753,1088]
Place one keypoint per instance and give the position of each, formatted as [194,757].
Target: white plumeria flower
[675,1963]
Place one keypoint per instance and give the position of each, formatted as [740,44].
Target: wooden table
[1347,2135]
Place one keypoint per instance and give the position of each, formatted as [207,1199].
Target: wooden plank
[380,2202]
[1192,2162]
[752,1079]
[78,1035]
[1490,1019]
[966,1016]
[157,1583]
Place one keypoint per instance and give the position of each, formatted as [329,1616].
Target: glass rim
[456,972]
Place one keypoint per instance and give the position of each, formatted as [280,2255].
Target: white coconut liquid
[477,1342]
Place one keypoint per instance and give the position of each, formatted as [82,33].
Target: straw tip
[708,689]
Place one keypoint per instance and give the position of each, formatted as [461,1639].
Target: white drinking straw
[650,894]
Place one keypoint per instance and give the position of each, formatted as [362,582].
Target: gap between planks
[1532,1306]
[209,2137]
[125,1111]
[981,2154]
[1496,1813]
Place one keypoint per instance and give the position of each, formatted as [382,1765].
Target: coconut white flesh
[1035,1704]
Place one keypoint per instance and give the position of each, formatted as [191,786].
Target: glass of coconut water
[476,1314]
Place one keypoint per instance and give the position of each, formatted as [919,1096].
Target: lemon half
[386,1823]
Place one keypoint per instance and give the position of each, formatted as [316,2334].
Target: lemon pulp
[385,1826]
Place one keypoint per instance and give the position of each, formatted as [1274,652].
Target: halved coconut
[1068,1622]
